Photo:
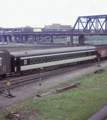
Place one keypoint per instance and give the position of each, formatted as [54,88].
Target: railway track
[20,81]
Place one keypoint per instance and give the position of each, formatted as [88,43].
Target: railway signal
[98,63]
[40,82]
[8,84]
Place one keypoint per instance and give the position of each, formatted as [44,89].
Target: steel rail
[37,78]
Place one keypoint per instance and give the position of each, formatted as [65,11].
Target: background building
[57,27]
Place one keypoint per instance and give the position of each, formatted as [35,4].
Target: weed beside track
[78,103]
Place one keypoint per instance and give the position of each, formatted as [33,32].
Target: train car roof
[50,51]
[4,51]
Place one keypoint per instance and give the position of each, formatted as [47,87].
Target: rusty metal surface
[102,52]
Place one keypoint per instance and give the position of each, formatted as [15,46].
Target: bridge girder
[91,24]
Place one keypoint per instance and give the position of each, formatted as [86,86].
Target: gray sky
[37,13]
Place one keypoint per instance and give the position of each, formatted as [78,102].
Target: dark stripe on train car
[40,59]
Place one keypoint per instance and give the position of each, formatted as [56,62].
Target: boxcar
[102,52]
[5,64]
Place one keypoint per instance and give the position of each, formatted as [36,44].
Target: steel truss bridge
[84,25]
[91,25]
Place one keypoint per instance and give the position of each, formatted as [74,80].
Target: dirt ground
[32,89]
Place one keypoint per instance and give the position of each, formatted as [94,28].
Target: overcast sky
[37,13]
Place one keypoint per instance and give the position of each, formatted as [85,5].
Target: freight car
[30,61]
[102,52]
[4,63]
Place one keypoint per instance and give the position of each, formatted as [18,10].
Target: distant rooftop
[57,26]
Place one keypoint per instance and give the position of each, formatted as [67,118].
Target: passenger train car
[37,59]
[30,61]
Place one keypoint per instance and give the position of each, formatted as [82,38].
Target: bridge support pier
[34,38]
[21,38]
[81,39]
[4,39]
[27,38]
[52,40]
[70,40]
[14,39]
[9,39]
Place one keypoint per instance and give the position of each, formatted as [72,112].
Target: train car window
[36,60]
[74,55]
[81,54]
[67,56]
[48,59]
[93,53]
[84,54]
[70,55]
[39,60]
[55,57]
[52,58]
[32,61]
[60,57]
[78,55]
[63,57]
[44,59]
[89,54]
[25,62]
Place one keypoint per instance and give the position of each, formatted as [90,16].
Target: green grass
[75,104]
